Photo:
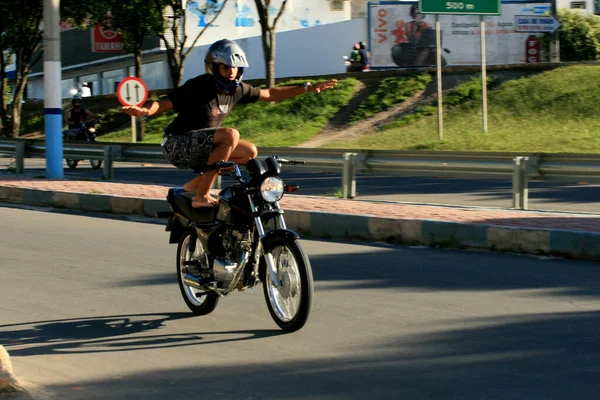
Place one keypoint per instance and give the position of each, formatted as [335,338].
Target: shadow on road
[434,269]
[116,333]
[540,356]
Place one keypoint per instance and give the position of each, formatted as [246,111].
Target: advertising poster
[241,18]
[399,36]
[106,40]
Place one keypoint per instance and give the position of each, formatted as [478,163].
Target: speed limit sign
[132,91]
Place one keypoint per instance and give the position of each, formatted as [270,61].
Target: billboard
[400,36]
[239,19]
[105,40]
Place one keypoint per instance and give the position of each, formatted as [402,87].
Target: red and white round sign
[132,91]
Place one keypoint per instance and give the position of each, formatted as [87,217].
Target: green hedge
[579,36]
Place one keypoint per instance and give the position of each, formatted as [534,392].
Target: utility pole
[53,119]
[555,46]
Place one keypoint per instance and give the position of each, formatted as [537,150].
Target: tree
[21,38]
[5,59]
[264,9]
[175,40]
[135,20]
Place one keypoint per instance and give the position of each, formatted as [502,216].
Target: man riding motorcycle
[76,115]
[195,138]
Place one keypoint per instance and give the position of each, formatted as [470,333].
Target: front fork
[262,238]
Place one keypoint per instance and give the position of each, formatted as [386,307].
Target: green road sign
[468,7]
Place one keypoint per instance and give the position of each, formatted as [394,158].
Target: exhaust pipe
[194,282]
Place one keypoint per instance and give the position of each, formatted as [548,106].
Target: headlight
[271,189]
[92,130]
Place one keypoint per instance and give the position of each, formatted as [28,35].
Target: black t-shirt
[200,105]
[77,116]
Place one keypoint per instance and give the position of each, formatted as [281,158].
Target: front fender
[268,242]
[278,234]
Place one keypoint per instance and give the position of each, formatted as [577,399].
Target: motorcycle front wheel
[72,163]
[96,164]
[198,301]
[291,302]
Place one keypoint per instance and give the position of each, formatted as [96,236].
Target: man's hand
[135,111]
[318,87]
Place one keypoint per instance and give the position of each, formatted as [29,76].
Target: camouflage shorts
[189,150]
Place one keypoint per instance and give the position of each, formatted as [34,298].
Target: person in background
[76,115]
[365,56]
[85,90]
[355,53]
[355,60]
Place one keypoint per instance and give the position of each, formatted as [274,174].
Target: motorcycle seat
[183,201]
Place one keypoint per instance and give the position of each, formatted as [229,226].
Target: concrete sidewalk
[575,235]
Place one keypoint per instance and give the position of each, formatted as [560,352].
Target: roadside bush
[579,36]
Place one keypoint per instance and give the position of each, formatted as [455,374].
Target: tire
[198,305]
[72,163]
[296,271]
[96,164]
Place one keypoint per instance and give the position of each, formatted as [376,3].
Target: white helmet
[229,53]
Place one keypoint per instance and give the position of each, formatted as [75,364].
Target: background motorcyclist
[355,64]
[365,56]
[76,115]
[359,58]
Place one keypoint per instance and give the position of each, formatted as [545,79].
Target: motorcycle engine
[227,260]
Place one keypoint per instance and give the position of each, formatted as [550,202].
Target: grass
[390,91]
[555,111]
[279,124]
[463,93]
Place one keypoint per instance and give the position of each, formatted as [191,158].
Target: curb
[8,380]
[318,224]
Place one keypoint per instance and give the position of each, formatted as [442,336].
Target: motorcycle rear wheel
[96,164]
[291,303]
[198,304]
[72,163]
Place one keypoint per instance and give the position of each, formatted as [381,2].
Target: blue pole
[52,91]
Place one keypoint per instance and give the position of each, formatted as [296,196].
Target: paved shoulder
[555,233]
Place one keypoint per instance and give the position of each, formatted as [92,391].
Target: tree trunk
[3,89]
[271,64]
[17,98]
[3,105]
[268,40]
[175,68]
[138,63]
[16,111]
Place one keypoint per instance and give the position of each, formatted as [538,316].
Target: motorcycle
[354,67]
[407,54]
[230,246]
[86,131]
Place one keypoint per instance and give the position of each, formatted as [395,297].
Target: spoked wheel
[96,164]
[291,302]
[72,163]
[198,301]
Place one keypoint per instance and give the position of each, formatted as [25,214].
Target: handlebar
[216,166]
[226,164]
[290,162]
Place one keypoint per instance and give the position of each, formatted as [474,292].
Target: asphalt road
[90,309]
[571,196]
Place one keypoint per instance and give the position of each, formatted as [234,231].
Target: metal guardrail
[479,165]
